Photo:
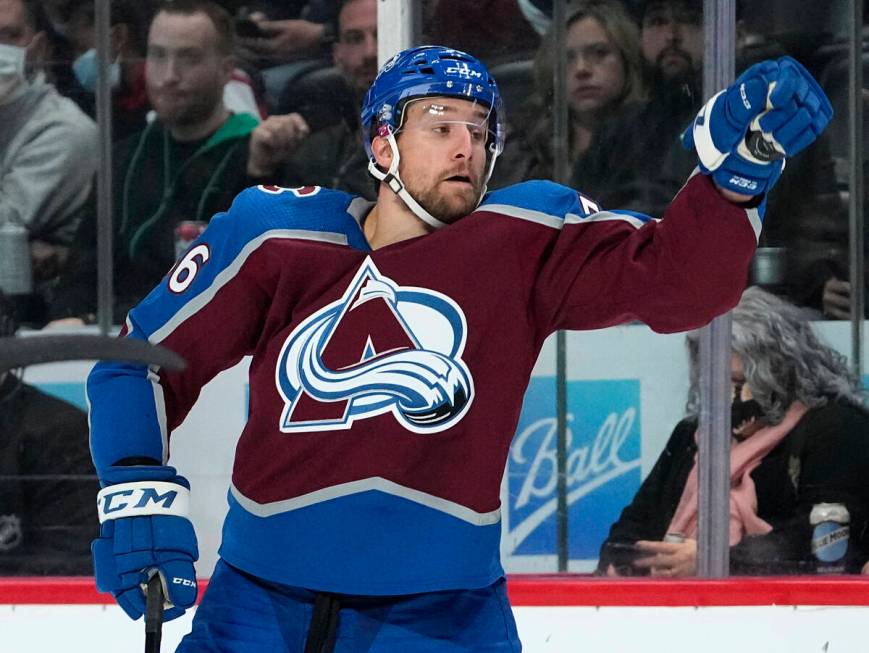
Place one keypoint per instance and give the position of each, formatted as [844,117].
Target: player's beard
[445,206]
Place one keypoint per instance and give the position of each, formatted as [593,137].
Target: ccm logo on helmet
[462,69]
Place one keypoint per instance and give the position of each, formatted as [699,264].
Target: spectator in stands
[291,29]
[643,161]
[604,78]
[185,166]
[672,40]
[800,426]
[58,64]
[494,30]
[826,277]
[48,148]
[129,23]
[47,479]
[355,52]
[281,148]
[820,244]
[130,106]
[284,39]
[808,227]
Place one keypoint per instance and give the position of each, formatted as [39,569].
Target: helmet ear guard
[427,71]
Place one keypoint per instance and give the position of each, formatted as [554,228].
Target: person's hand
[865,569]
[836,300]
[144,530]
[283,38]
[669,559]
[274,141]
[742,135]
[612,572]
[64,323]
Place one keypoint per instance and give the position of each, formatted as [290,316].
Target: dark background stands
[47,479]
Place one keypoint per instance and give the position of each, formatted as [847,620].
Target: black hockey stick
[20,352]
[154,615]
[323,629]
[32,350]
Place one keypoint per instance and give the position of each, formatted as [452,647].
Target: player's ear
[382,152]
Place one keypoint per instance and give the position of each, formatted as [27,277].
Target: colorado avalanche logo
[380,348]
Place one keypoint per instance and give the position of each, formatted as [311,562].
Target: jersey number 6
[187,268]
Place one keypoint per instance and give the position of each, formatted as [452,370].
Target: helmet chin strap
[393,180]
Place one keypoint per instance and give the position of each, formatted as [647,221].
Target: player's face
[443,154]
[184,70]
[595,68]
[672,37]
[355,53]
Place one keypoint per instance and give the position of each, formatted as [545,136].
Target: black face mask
[744,411]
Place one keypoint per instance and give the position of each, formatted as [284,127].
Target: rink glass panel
[626,387]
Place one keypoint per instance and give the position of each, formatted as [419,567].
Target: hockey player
[391,345]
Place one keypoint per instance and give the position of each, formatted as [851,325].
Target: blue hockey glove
[743,134]
[144,530]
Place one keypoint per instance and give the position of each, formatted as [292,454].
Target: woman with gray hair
[800,431]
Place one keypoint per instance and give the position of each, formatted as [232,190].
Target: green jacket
[157,184]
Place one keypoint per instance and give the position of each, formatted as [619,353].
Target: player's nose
[463,143]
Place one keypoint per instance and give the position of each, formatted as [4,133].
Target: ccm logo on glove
[184,581]
[742,182]
[141,499]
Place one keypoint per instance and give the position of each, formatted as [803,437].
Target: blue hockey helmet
[427,71]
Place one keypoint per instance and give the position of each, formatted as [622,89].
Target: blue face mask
[86,69]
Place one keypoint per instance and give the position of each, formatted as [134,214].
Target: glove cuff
[708,153]
[143,498]
[131,473]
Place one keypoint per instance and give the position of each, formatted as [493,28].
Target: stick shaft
[154,615]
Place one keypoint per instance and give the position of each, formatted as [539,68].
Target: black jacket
[48,485]
[825,458]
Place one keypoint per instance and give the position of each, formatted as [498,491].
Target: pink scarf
[744,457]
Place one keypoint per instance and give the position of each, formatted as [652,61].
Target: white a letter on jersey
[380,348]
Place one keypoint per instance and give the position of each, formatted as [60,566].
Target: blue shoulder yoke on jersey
[118,390]
[555,201]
